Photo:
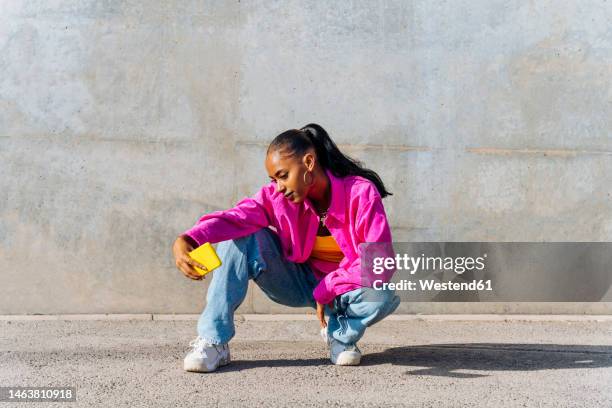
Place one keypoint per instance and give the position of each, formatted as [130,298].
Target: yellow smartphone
[207,256]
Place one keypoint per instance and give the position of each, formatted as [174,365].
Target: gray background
[122,122]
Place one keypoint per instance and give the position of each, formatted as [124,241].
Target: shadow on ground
[446,359]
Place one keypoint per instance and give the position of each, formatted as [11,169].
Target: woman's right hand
[183,261]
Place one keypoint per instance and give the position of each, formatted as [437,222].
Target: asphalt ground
[134,363]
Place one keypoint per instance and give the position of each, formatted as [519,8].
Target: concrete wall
[121,122]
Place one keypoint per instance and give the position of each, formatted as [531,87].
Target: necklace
[322,215]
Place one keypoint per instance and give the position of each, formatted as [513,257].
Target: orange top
[326,249]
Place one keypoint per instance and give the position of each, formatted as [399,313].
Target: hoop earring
[311,178]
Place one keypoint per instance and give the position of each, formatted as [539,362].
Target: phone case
[207,256]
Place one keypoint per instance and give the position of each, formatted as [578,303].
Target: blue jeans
[259,257]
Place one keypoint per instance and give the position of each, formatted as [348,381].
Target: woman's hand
[183,261]
[321,314]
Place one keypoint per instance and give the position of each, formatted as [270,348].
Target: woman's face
[287,171]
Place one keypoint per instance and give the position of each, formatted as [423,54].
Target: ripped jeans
[259,257]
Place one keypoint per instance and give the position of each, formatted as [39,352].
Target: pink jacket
[356,215]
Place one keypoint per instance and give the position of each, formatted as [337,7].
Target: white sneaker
[206,357]
[343,354]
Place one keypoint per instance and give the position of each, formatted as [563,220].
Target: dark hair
[328,154]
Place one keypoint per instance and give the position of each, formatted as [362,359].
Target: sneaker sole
[348,359]
[203,369]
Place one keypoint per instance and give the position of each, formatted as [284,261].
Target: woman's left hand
[321,313]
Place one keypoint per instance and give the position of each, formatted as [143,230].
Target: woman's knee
[262,238]
[373,302]
[257,239]
[386,300]
[377,296]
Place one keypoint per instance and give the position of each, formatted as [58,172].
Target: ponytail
[328,154]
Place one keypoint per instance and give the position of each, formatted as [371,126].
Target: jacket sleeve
[247,216]
[371,227]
